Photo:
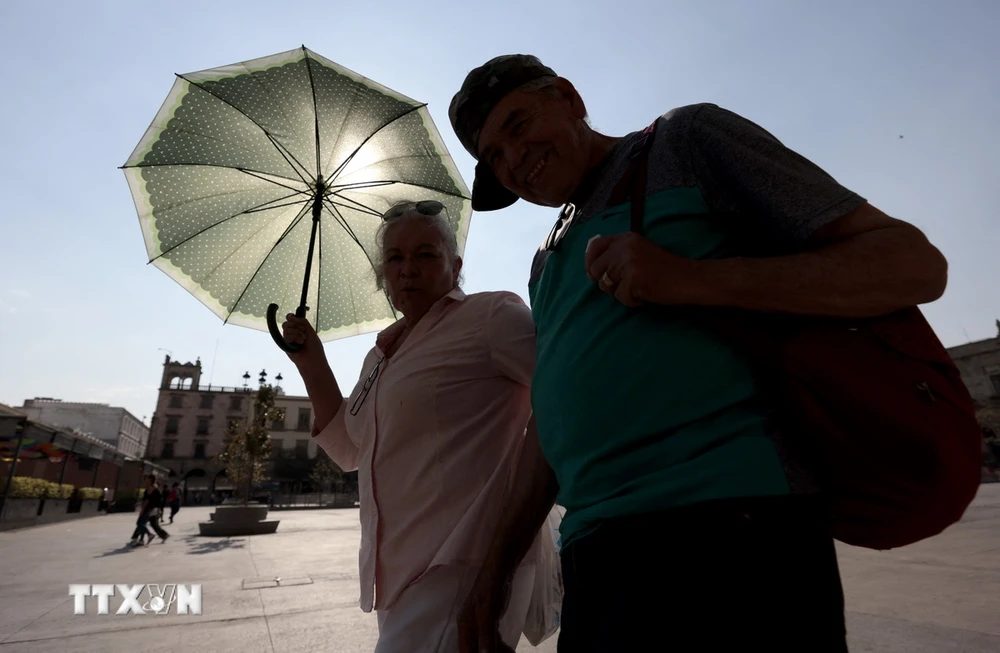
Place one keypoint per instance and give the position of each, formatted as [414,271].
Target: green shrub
[23,487]
[90,493]
[57,491]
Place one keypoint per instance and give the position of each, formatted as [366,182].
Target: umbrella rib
[395,158]
[280,108]
[411,183]
[364,208]
[342,221]
[258,176]
[312,83]
[360,184]
[351,156]
[294,222]
[254,209]
[319,270]
[261,209]
[281,150]
[208,165]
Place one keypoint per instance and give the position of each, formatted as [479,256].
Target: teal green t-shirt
[638,409]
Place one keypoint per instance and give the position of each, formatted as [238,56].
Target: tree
[325,473]
[989,418]
[246,453]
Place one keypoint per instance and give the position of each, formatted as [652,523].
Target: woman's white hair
[439,222]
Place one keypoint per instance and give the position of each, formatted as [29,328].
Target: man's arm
[845,257]
[533,493]
[863,264]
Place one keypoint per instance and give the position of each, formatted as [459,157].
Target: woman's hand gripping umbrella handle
[276,335]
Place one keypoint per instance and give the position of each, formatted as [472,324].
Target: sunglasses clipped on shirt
[366,388]
[426,207]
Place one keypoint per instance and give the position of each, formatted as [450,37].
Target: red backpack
[876,402]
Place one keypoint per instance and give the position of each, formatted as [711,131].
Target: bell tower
[180,376]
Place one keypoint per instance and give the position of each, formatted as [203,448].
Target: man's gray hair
[439,222]
[547,84]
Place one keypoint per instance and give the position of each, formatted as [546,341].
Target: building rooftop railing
[212,388]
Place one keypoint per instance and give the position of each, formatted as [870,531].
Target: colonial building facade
[979,363]
[191,425]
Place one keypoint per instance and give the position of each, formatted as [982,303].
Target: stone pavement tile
[234,636]
[335,595]
[20,612]
[344,630]
[305,553]
[949,596]
[876,634]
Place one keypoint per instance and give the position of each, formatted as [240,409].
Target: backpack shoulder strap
[632,184]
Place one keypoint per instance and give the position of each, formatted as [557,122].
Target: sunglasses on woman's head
[427,207]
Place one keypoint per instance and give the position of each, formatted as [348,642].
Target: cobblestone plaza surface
[297,590]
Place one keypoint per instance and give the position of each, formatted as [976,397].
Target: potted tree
[244,458]
[326,476]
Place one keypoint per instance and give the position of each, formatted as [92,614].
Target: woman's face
[418,268]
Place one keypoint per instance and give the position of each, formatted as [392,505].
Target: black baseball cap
[483,88]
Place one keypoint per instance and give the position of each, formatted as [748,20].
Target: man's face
[535,142]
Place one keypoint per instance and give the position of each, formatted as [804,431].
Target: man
[152,510]
[155,501]
[691,523]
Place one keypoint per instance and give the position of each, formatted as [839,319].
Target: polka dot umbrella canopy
[262,184]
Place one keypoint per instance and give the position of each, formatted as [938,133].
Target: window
[199,449]
[206,402]
[276,447]
[234,427]
[304,415]
[168,450]
[202,426]
[995,378]
[235,403]
[302,449]
[172,425]
[176,401]
[278,424]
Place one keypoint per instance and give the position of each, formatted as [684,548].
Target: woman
[434,427]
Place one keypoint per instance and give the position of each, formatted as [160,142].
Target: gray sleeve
[742,168]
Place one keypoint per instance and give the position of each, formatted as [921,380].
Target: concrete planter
[19,512]
[89,507]
[54,510]
[231,520]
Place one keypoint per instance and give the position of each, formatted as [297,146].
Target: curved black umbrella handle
[272,326]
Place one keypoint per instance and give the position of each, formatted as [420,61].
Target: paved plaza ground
[938,596]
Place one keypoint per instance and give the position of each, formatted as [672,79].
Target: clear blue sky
[82,315]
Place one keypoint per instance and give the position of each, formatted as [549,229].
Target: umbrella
[262,184]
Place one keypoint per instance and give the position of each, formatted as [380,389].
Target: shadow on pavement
[114,552]
[199,546]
